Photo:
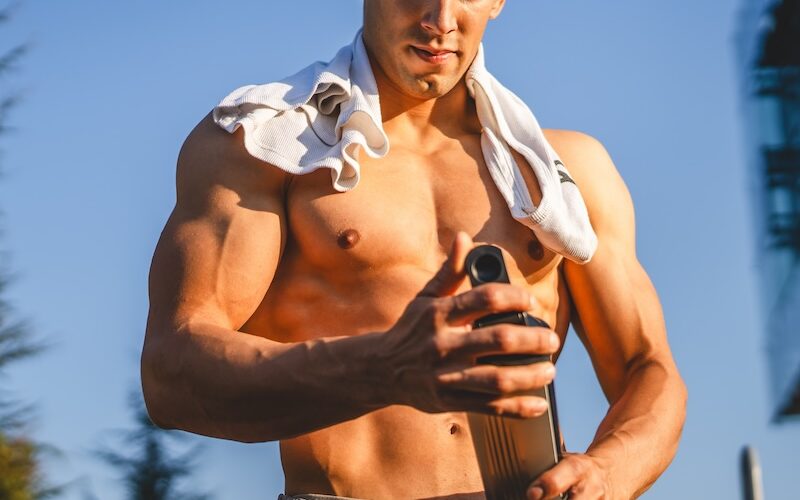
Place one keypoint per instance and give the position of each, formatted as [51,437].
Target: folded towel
[328,113]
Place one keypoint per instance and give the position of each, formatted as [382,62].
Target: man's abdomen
[396,452]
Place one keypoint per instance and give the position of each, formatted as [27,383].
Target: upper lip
[433,51]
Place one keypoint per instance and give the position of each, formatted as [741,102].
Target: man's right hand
[428,356]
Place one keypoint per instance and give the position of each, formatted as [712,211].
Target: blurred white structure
[769,51]
[750,469]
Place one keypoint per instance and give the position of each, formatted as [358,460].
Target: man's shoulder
[209,149]
[211,158]
[590,166]
[578,150]
[584,156]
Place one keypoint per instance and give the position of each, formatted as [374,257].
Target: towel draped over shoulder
[328,114]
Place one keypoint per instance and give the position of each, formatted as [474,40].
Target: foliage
[8,62]
[20,471]
[20,474]
[149,470]
[20,477]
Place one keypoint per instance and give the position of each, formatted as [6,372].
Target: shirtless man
[338,323]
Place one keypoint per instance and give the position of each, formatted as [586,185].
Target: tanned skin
[339,323]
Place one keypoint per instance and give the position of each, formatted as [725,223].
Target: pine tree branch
[16,343]
[8,61]
[148,468]
[6,13]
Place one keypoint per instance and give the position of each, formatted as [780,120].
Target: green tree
[21,476]
[149,470]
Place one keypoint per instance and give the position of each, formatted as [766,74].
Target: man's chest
[406,209]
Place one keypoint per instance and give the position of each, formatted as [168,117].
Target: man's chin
[431,88]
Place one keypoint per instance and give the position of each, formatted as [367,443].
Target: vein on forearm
[639,435]
[250,388]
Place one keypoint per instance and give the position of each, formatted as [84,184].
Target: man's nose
[441,17]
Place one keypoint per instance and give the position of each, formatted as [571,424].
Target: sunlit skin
[339,323]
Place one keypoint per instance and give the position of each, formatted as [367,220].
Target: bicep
[618,313]
[222,243]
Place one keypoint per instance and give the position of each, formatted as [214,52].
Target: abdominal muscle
[396,452]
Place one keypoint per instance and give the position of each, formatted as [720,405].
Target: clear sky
[111,89]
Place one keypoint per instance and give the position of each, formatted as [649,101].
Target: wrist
[376,370]
[364,376]
[605,461]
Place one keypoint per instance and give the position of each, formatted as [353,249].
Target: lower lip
[433,58]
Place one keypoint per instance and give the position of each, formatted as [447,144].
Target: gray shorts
[312,496]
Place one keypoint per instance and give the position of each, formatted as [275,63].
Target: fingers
[514,407]
[556,481]
[490,298]
[498,390]
[500,380]
[576,474]
[450,276]
[504,339]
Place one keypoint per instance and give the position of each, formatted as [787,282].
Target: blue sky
[111,89]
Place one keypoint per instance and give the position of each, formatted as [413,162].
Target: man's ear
[496,8]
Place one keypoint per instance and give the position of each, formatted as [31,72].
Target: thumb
[449,277]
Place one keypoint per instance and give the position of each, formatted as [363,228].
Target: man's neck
[423,120]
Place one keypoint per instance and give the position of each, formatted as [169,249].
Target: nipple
[348,238]
[535,249]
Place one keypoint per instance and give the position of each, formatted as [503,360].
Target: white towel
[328,113]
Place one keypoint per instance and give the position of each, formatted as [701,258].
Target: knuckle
[524,298]
[456,303]
[549,484]
[437,306]
[492,297]
[535,406]
[518,407]
[439,317]
[579,467]
[504,382]
[435,313]
[515,407]
[504,338]
[443,343]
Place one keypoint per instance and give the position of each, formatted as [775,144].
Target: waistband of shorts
[312,496]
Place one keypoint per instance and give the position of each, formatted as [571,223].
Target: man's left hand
[582,476]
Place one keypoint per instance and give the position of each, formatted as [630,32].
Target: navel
[535,249]
[348,238]
[454,428]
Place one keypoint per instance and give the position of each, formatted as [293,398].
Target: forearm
[218,382]
[639,436]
